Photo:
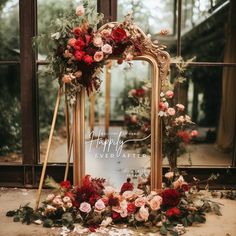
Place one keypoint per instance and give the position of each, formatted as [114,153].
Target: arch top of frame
[148,49]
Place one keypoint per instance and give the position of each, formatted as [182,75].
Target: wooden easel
[75,139]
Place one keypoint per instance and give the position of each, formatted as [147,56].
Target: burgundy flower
[173,212]
[115,215]
[171,197]
[77,31]
[65,184]
[113,201]
[118,34]
[185,187]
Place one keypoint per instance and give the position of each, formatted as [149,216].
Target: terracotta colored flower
[88,59]
[71,42]
[80,10]
[65,184]
[98,56]
[170,197]
[85,207]
[173,212]
[118,34]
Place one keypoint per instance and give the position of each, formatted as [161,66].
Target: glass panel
[152,16]
[10,115]
[49,10]
[47,92]
[202,95]
[9,30]
[204,30]
[123,146]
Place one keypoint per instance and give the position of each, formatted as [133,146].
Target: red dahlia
[173,212]
[171,197]
[118,34]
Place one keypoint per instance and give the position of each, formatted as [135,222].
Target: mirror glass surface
[118,140]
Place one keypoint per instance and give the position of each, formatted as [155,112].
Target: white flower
[80,10]
[66,199]
[50,197]
[106,222]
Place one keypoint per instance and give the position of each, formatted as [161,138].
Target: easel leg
[48,147]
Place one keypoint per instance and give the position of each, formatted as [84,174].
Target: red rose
[184,135]
[171,197]
[173,212]
[115,215]
[185,187]
[139,92]
[87,39]
[131,207]
[118,34]
[79,55]
[79,44]
[88,59]
[65,184]
[77,31]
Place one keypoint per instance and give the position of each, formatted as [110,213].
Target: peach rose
[108,191]
[97,41]
[155,203]
[80,10]
[180,107]
[143,214]
[66,79]
[171,111]
[99,205]
[98,56]
[71,42]
[78,74]
[169,94]
[106,48]
[140,201]
[128,194]
[105,33]
[178,182]
[85,207]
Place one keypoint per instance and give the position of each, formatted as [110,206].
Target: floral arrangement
[80,52]
[95,205]
[177,128]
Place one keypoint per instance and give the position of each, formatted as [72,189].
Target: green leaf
[48,223]
[199,218]
[163,230]
[184,221]
[16,218]
[10,213]
[190,219]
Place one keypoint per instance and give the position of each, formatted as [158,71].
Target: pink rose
[97,41]
[100,206]
[80,10]
[98,56]
[180,107]
[128,194]
[57,201]
[140,201]
[155,203]
[169,94]
[171,111]
[194,133]
[85,207]
[143,214]
[71,42]
[66,79]
[106,48]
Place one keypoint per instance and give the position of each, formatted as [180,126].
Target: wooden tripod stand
[75,139]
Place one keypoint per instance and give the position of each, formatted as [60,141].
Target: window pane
[205,94]
[10,115]
[47,92]
[9,30]
[204,30]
